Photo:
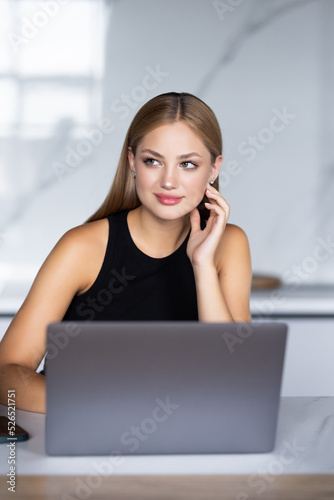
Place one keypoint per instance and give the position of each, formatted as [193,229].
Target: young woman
[158,248]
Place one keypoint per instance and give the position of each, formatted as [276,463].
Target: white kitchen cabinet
[309,360]
[309,357]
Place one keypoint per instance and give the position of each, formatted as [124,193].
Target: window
[51,75]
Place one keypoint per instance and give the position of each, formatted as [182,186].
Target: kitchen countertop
[288,299]
[291,299]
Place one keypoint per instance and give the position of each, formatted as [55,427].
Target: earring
[211,182]
[133,174]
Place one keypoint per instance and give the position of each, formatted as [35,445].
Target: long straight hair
[161,110]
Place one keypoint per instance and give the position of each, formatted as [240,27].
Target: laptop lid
[163,387]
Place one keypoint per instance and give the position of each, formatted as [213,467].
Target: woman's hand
[203,244]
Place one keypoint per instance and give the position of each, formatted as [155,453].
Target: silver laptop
[135,388]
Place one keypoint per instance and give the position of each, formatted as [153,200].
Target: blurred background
[74,73]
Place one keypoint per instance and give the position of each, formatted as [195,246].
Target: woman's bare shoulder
[232,231]
[234,244]
[88,242]
[88,236]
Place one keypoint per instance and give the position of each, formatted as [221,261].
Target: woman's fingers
[220,201]
[195,220]
[216,208]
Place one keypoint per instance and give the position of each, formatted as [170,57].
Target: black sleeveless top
[133,286]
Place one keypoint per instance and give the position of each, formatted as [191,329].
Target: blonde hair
[161,110]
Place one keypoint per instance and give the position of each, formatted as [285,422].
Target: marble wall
[73,74]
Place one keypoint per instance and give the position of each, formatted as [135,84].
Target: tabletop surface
[204,487]
[304,445]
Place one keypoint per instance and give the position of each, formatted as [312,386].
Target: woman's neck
[155,236]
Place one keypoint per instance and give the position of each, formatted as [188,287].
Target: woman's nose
[169,179]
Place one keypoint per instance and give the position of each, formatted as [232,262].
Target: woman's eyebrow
[188,155]
[154,153]
[180,157]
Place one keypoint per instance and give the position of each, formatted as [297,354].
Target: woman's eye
[188,164]
[150,161]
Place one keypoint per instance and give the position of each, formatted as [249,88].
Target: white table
[304,445]
[301,467]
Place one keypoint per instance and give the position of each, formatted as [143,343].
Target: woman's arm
[223,289]
[65,272]
[221,263]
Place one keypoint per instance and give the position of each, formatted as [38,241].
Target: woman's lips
[168,200]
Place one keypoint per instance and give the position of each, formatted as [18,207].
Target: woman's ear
[131,158]
[215,169]
[217,166]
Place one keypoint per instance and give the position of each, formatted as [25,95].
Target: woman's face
[172,167]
